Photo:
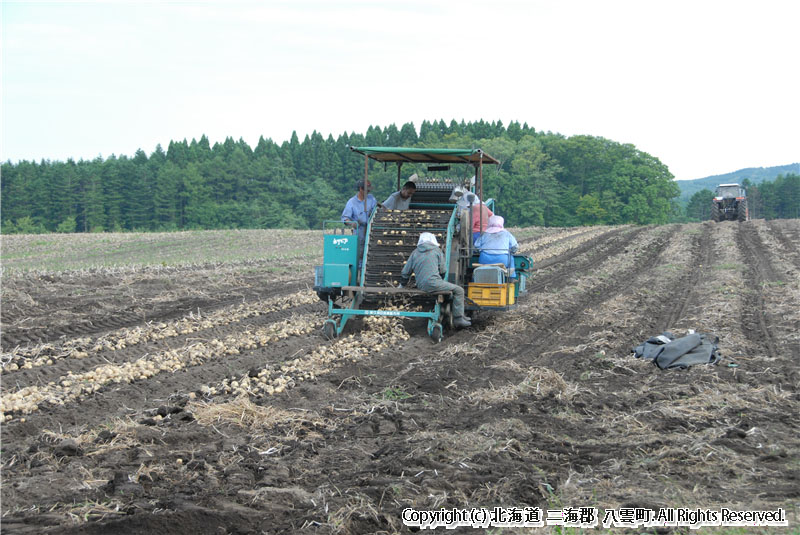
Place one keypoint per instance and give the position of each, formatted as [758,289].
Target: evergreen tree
[699,207]
[543,178]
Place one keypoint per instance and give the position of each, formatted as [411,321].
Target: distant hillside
[755,174]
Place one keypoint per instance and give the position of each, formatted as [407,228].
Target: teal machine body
[339,268]
[340,251]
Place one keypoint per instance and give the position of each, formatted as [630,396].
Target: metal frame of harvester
[392,235]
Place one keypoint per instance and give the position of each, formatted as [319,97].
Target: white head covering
[457,194]
[427,237]
[469,198]
[496,223]
[463,197]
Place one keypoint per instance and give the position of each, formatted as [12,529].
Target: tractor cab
[729,191]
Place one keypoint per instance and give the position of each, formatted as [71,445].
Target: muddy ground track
[788,239]
[376,455]
[115,397]
[702,254]
[553,327]
[759,272]
[13,336]
[119,396]
[553,273]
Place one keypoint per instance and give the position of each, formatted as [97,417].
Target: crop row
[549,246]
[378,333]
[74,386]
[78,348]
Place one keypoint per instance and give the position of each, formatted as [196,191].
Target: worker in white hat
[427,264]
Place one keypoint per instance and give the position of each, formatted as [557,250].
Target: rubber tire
[436,334]
[715,213]
[329,329]
[741,211]
[447,316]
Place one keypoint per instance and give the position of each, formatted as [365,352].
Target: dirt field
[203,398]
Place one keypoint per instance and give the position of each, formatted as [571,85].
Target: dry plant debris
[124,411]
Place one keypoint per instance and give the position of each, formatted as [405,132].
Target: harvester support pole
[399,165]
[469,234]
[480,192]
[480,176]
[366,172]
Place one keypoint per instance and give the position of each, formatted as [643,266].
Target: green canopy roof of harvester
[418,155]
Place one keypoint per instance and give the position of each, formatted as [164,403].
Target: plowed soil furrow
[120,400]
[679,295]
[758,272]
[545,333]
[61,367]
[582,250]
[553,241]
[549,331]
[413,447]
[541,406]
[789,240]
[19,335]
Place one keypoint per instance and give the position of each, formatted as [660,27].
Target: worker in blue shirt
[497,245]
[357,212]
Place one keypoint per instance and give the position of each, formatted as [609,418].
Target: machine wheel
[329,329]
[331,293]
[447,316]
[741,211]
[715,215]
[436,333]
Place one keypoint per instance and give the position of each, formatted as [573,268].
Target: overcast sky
[708,87]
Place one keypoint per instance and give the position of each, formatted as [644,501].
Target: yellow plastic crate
[491,295]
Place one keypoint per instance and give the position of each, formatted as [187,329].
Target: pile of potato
[380,332]
[74,386]
[78,348]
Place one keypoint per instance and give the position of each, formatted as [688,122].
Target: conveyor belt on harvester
[433,192]
[393,237]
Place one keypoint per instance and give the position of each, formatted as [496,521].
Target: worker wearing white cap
[427,263]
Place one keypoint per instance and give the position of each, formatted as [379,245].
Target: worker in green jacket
[427,263]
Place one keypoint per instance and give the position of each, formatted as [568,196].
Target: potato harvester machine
[391,237]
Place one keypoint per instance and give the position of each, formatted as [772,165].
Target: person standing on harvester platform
[357,212]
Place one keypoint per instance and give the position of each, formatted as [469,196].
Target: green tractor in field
[729,203]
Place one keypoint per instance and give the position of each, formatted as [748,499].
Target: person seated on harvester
[427,263]
[480,215]
[497,246]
